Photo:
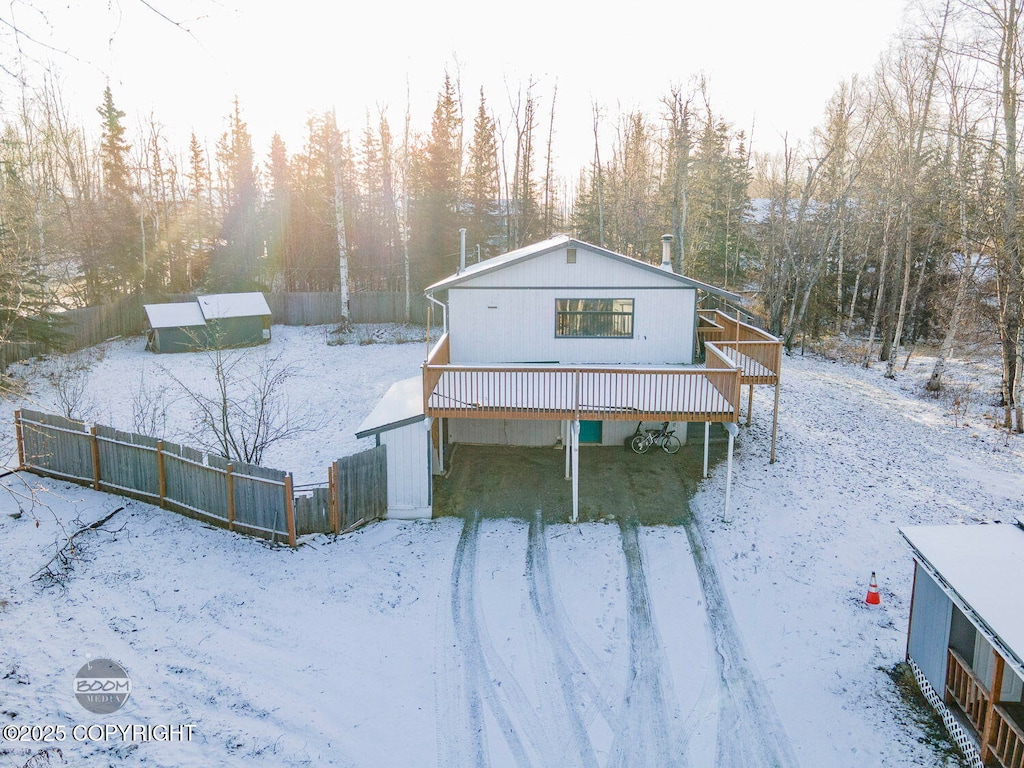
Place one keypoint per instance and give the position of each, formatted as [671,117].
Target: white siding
[522,432]
[518,326]
[508,315]
[929,628]
[408,471]
[504,432]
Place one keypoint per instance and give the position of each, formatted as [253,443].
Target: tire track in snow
[643,739]
[572,677]
[461,738]
[488,681]
[750,733]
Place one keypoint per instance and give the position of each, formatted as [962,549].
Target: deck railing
[1007,742]
[716,325]
[967,690]
[755,351]
[438,357]
[556,392]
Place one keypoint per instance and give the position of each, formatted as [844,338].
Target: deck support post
[707,440]
[750,404]
[567,447]
[440,442]
[775,413]
[731,428]
[574,439]
[995,691]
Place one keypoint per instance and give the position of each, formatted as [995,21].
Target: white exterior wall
[409,480]
[508,315]
[521,432]
[929,628]
[504,432]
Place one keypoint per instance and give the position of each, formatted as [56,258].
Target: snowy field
[507,642]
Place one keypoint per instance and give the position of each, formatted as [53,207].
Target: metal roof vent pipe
[666,252]
[462,250]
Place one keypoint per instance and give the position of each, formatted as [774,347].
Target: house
[566,343]
[220,320]
[965,642]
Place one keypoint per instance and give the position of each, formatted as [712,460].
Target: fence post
[230,477]
[21,438]
[332,495]
[95,458]
[289,508]
[161,476]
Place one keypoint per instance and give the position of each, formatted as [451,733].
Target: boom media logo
[102,686]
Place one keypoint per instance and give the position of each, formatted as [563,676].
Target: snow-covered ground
[508,642]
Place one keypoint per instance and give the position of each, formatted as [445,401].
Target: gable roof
[220,306]
[178,315]
[980,567]
[564,241]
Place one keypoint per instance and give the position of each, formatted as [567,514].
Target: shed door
[929,629]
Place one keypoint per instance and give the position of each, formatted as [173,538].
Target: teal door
[590,431]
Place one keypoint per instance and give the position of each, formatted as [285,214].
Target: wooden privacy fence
[356,493]
[126,317]
[247,498]
[322,307]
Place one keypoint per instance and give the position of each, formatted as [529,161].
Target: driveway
[525,680]
[501,481]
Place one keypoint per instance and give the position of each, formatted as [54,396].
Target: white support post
[575,440]
[707,440]
[440,441]
[567,447]
[732,429]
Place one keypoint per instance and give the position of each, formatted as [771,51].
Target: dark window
[594,318]
[570,255]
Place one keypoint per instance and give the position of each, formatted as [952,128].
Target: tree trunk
[935,381]
[880,297]
[339,225]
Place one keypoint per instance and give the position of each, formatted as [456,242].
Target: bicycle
[643,439]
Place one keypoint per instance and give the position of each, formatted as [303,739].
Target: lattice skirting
[957,732]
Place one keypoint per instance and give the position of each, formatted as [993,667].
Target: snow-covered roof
[218,306]
[980,567]
[178,315]
[564,241]
[402,404]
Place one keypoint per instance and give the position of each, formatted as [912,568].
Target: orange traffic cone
[873,597]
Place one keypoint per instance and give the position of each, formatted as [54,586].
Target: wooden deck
[755,351]
[997,724]
[708,393]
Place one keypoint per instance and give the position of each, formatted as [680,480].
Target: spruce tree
[235,263]
[435,216]
[112,258]
[483,224]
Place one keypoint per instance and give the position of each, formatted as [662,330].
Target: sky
[771,67]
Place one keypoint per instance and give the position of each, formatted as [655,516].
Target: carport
[500,481]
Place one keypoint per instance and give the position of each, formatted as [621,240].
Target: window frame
[568,318]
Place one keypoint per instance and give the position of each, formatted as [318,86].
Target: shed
[221,320]
[236,319]
[398,422]
[965,641]
[177,327]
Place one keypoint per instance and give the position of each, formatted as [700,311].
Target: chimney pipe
[666,252]
[462,250]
